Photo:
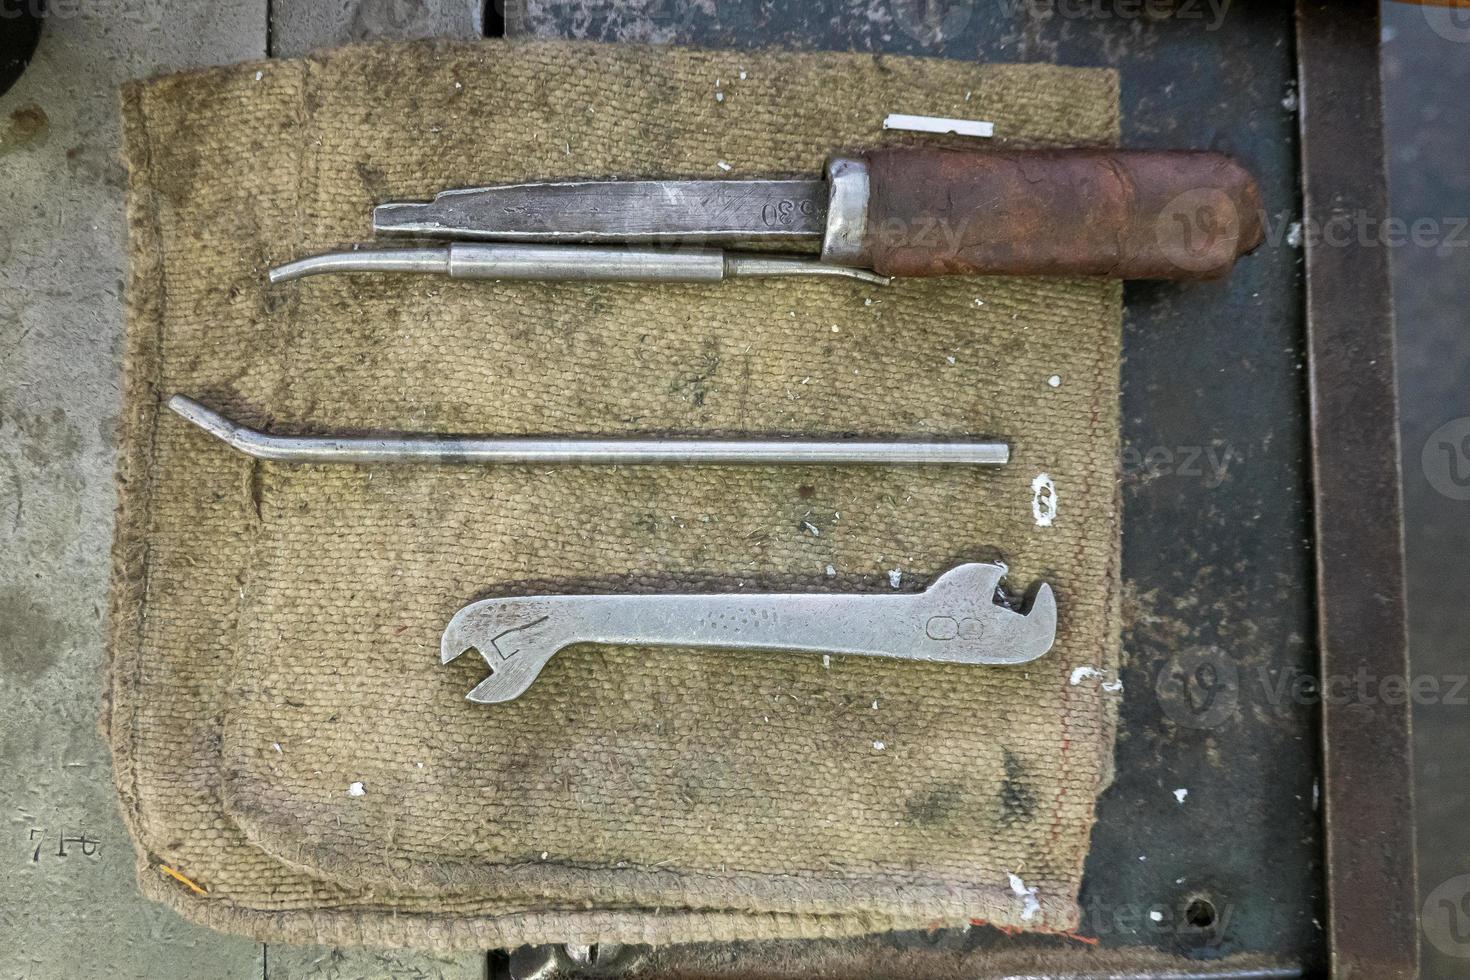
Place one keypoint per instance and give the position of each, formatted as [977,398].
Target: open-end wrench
[957,620]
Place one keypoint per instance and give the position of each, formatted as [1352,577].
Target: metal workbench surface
[1207,845]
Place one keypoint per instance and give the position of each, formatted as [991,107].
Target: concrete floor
[68,905]
[61,269]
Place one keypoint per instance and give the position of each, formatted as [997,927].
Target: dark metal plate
[1220,618]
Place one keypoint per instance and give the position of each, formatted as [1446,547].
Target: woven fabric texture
[274,629]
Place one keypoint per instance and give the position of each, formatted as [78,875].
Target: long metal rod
[626,451]
[513,261]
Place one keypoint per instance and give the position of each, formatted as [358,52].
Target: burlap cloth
[275,628]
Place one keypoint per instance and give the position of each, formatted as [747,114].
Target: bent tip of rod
[316,265]
[294,270]
[819,268]
[232,434]
[208,420]
[872,278]
[365,260]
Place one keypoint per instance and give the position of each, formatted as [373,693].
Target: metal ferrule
[850,191]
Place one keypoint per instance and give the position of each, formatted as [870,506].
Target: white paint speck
[743,75]
[259,75]
[816,532]
[875,704]
[545,855]
[936,124]
[979,301]
[831,572]
[826,661]
[419,765]
[724,166]
[356,789]
[836,328]
[719,96]
[277,747]
[1043,500]
[1029,905]
[950,359]
[1156,915]
[1289,102]
[1083,673]
[1180,795]
[1113,686]
[895,577]
[1055,380]
[1294,234]
[880,746]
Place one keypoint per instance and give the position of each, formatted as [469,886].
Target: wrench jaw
[967,582]
[514,645]
[1033,630]
[970,626]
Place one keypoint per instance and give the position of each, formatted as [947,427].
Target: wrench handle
[866,625]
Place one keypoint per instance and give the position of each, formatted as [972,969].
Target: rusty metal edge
[1367,772]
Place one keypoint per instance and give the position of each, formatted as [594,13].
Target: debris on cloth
[1029,904]
[1044,500]
[938,124]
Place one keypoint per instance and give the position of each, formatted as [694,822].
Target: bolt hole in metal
[1200,913]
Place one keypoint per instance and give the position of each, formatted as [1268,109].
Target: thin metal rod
[626,451]
[431,260]
[775,266]
[514,261]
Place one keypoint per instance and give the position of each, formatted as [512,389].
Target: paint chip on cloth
[632,795]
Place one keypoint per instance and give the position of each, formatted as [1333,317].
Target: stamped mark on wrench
[956,620]
[509,643]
